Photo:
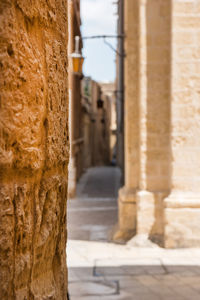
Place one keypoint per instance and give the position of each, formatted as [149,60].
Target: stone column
[127,195]
[182,207]
[147,107]
[154,118]
[34,149]
[145,199]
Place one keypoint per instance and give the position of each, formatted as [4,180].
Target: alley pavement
[99,269]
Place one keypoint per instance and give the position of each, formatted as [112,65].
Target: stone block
[126,215]
[145,212]
[181,221]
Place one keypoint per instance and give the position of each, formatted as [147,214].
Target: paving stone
[93,288]
[98,268]
[187,293]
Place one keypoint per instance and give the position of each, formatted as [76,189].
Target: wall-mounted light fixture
[77,58]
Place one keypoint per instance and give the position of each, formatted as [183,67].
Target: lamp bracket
[111,36]
[122,36]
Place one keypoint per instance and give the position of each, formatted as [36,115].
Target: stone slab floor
[99,269]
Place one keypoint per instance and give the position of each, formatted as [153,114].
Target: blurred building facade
[160,199]
[109,90]
[91,119]
[97,123]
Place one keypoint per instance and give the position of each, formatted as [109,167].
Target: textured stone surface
[185,117]
[33,149]
[182,227]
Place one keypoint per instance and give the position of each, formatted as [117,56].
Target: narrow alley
[100,269]
[93,213]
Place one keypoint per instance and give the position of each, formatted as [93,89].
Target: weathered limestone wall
[182,212]
[34,149]
[157,139]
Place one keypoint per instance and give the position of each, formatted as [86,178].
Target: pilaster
[147,117]
[182,206]
[127,195]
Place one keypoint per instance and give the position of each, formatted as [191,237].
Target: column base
[145,212]
[182,221]
[141,213]
[126,227]
[142,241]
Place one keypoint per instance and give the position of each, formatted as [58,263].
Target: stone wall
[34,149]
[182,207]
[161,196]
[157,165]
[127,195]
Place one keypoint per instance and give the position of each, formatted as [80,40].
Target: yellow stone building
[160,199]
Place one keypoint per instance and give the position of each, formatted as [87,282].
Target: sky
[98,18]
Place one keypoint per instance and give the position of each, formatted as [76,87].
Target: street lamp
[77,58]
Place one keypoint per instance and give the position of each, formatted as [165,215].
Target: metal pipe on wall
[120,88]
